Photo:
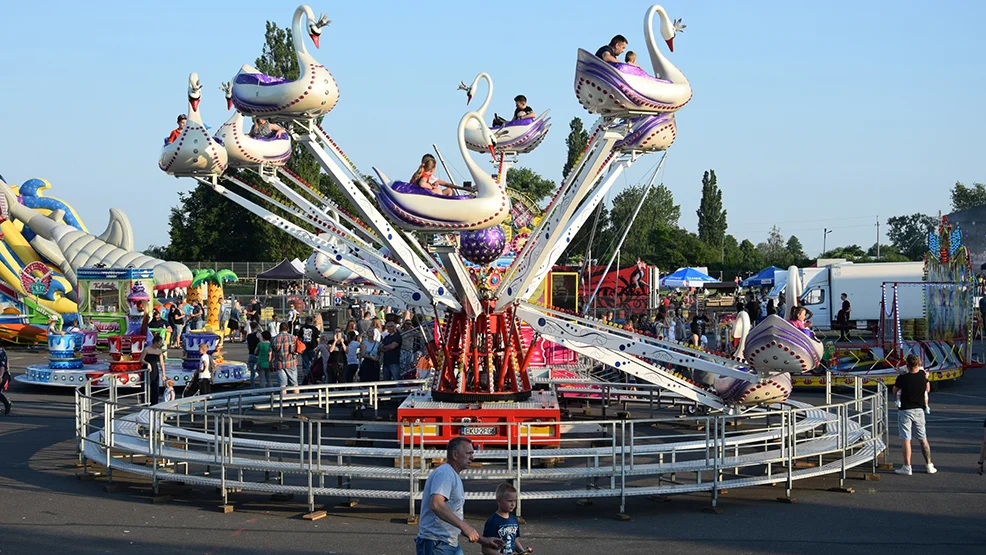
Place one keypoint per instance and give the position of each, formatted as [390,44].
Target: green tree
[711,214]
[529,182]
[888,253]
[796,251]
[658,210]
[773,251]
[964,197]
[854,253]
[577,140]
[909,234]
[751,259]
[673,248]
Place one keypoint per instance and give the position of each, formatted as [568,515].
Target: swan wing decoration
[649,134]
[620,90]
[194,152]
[518,136]
[775,389]
[775,346]
[412,207]
[245,151]
[312,94]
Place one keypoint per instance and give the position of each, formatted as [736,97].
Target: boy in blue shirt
[503,524]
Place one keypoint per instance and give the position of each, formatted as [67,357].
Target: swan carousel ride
[414,207]
[312,94]
[513,137]
[244,150]
[625,89]
[194,152]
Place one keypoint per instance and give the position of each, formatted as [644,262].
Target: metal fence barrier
[276,441]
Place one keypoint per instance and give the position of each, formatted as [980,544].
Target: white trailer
[863,284]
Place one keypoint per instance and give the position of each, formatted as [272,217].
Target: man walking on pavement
[441,506]
[912,390]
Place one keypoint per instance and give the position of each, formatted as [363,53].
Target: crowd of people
[380,345]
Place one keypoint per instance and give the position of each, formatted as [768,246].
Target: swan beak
[315,40]
[492,151]
[670,42]
[229,103]
[468,98]
[194,103]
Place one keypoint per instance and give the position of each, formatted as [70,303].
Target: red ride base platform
[485,423]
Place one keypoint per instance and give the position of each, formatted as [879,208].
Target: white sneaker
[904,470]
[931,469]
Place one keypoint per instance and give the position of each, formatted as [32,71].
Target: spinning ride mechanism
[482,357]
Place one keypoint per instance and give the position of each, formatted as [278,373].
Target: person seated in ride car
[264,129]
[425,178]
[631,58]
[176,132]
[615,47]
[523,111]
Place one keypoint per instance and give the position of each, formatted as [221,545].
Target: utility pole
[825,236]
[878,237]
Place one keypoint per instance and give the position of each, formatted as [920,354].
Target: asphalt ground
[44,508]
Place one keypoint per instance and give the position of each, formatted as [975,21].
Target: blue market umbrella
[687,277]
[765,277]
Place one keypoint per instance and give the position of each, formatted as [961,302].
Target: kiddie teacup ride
[73,357]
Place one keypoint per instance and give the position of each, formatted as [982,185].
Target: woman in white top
[352,356]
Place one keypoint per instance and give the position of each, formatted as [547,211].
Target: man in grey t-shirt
[441,506]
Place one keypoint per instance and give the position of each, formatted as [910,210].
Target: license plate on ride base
[478,430]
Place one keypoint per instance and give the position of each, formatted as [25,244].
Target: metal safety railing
[290,442]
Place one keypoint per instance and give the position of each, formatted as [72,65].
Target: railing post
[828,386]
[790,439]
[311,491]
[623,467]
[843,441]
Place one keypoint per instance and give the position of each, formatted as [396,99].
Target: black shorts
[233,324]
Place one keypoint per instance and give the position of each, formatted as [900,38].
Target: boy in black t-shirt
[522,110]
[503,524]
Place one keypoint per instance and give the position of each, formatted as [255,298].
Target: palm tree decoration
[215,281]
[195,291]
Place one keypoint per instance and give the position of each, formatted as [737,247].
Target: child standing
[263,361]
[205,370]
[503,524]
[169,391]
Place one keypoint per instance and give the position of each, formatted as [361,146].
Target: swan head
[470,90]
[487,134]
[315,28]
[227,89]
[194,91]
[669,29]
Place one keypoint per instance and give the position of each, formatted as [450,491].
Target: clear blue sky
[813,114]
